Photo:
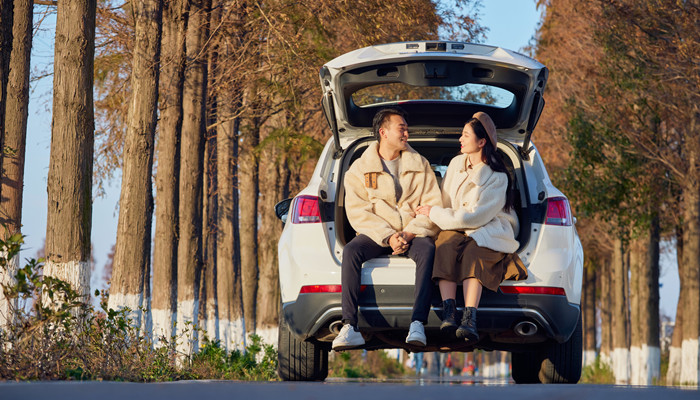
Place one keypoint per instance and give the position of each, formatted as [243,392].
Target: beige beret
[488,124]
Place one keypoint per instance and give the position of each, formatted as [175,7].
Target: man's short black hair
[382,116]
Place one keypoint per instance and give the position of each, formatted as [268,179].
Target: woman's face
[470,142]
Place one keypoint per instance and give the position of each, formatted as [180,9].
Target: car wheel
[526,367]
[298,360]
[562,361]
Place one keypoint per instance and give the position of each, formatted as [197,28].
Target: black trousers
[362,248]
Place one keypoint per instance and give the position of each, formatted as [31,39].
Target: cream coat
[375,212]
[473,203]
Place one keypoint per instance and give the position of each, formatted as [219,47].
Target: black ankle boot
[449,319]
[467,330]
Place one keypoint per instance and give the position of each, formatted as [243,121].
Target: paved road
[413,389]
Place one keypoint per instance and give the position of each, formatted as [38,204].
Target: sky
[511,24]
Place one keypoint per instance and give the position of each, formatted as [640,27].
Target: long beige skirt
[458,257]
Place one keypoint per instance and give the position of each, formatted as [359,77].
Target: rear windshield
[470,93]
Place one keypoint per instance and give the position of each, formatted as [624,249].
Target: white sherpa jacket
[473,203]
[375,212]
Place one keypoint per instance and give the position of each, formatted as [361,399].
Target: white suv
[440,85]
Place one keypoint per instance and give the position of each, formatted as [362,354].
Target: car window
[467,93]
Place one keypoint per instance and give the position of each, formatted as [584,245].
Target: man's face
[394,133]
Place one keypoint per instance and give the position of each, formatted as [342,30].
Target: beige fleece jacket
[473,202]
[375,212]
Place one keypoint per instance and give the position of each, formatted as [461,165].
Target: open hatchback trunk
[439,84]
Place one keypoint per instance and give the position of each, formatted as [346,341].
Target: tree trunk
[645,354]
[231,326]
[168,170]
[650,359]
[248,189]
[620,354]
[69,183]
[589,317]
[15,137]
[673,375]
[689,271]
[6,17]
[132,255]
[605,278]
[208,306]
[275,166]
[637,264]
[189,255]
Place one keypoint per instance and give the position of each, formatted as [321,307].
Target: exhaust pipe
[525,328]
[335,327]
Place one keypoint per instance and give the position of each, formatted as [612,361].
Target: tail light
[558,212]
[306,210]
[533,290]
[325,289]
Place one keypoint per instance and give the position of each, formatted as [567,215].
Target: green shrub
[598,373]
[56,334]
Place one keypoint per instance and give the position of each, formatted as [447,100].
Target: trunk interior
[439,152]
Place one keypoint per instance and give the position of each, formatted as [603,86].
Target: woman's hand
[425,210]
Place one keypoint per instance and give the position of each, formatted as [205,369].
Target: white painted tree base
[186,322]
[495,370]
[7,277]
[621,365]
[269,335]
[606,359]
[673,375]
[645,365]
[162,326]
[121,301]
[75,273]
[211,322]
[232,334]
[689,362]
[589,357]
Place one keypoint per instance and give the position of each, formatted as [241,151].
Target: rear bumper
[387,309]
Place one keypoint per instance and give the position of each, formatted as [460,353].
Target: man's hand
[406,237]
[397,243]
[400,241]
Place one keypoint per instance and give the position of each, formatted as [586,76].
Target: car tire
[298,360]
[526,367]
[553,363]
[562,361]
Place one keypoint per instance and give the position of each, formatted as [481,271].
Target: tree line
[210,109]
[622,133]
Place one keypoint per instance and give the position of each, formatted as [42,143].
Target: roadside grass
[55,334]
[597,373]
[365,364]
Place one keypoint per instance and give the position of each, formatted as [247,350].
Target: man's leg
[422,251]
[356,252]
[359,250]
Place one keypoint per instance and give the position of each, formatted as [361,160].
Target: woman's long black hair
[493,159]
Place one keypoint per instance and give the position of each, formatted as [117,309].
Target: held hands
[425,210]
[399,241]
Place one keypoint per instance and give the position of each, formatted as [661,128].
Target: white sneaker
[416,334]
[348,338]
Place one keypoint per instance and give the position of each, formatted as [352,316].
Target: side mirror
[282,209]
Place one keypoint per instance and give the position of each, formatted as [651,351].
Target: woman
[477,243]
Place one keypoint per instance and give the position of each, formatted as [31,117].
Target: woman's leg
[448,290]
[472,292]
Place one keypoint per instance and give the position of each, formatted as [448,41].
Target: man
[382,188]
